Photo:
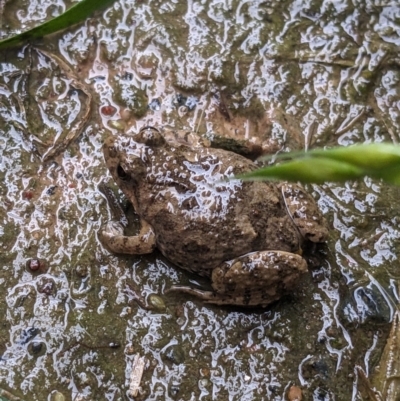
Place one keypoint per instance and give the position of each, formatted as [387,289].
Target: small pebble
[36,347]
[33,264]
[51,190]
[117,124]
[155,105]
[295,394]
[57,396]
[174,354]
[28,194]
[180,99]
[191,102]
[204,382]
[156,302]
[46,286]
[108,110]
[36,266]
[174,390]
[126,114]
[182,110]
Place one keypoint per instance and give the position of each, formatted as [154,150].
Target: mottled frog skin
[246,236]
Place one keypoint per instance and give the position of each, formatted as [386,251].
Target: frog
[245,236]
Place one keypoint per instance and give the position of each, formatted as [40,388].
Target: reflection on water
[285,74]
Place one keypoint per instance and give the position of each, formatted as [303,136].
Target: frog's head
[129,157]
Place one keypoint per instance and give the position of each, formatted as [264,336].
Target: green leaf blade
[77,13]
[379,161]
[369,157]
[308,170]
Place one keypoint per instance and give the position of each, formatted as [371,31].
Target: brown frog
[246,236]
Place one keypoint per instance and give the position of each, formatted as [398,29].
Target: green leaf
[390,175]
[371,156]
[308,170]
[380,160]
[77,13]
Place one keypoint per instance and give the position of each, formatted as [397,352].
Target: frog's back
[202,220]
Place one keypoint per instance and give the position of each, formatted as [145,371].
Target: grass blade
[380,160]
[77,13]
[307,170]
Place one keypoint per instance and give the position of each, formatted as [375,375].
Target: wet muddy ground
[287,75]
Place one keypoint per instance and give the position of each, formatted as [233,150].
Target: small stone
[180,100]
[36,347]
[28,194]
[182,110]
[174,390]
[295,394]
[204,382]
[117,124]
[155,105]
[156,302]
[33,264]
[36,266]
[126,114]
[108,110]
[191,102]
[57,396]
[174,354]
[51,190]
[46,286]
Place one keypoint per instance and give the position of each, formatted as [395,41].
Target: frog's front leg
[254,279]
[112,237]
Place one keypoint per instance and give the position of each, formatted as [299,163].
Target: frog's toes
[112,237]
[111,229]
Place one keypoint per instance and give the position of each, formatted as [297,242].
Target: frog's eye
[150,136]
[122,173]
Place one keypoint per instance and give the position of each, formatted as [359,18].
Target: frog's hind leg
[304,212]
[112,237]
[255,279]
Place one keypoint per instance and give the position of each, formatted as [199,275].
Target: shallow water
[286,74]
